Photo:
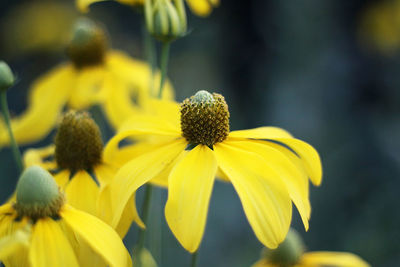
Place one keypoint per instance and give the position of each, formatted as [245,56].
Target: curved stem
[194,259]
[163,65]
[13,143]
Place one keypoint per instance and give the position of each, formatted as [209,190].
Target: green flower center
[88,45]
[78,142]
[38,195]
[205,118]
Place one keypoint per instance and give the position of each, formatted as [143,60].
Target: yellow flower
[77,159]
[56,232]
[291,253]
[267,167]
[380,26]
[199,7]
[95,76]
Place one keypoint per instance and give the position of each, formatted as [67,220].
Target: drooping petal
[264,196]
[261,133]
[189,191]
[62,178]
[141,125]
[82,192]
[12,243]
[48,97]
[308,155]
[49,246]
[101,237]
[138,172]
[337,259]
[83,5]
[295,180]
[37,156]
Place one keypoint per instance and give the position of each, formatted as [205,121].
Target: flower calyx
[205,118]
[78,142]
[165,19]
[38,195]
[88,44]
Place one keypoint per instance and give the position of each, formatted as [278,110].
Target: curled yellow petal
[11,244]
[189,191]
[98,235]
[265,198]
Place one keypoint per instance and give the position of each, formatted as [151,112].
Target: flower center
[205,118]
[38,195]
[88,44]
[78,142]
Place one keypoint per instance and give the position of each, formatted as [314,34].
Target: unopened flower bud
[165,19]
[6,76]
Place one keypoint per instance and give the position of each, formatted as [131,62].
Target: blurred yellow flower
[267,167]
[80,169]
[380,26]
[199,7]
[96,76]
[291,253]
[55,232]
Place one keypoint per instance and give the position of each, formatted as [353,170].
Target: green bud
[6,76]
[288,253]
[88,44]
[165,20]
[37,194]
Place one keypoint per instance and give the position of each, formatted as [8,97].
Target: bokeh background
[327,71]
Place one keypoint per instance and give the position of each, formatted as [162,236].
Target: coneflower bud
[288,252]
[205,118]
[6,76]
[165,19]
[88,44]
[38,195]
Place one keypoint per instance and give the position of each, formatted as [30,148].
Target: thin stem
[164,65]
[151,54]
[145,215]
[13,143]
[194,259]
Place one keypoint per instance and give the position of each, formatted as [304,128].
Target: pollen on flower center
[78,142]
[88,44]
[205,118]
[38,195]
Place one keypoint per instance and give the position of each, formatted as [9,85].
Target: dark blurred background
[327,71]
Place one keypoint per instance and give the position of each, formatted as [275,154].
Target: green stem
[194,259]
[145,215]
[164,65]
[13,143]
[150,53]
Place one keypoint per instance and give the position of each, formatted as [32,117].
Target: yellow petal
[82,192]
[138,172]
[261,133]
[48,97]
[12,243]
[295,180]
[146,259]
[189,191]
[263,263]
[264,196]
[200,7]
[308,155]
[49,246]
[101,237]
[36,156]
[337,259]
[141,125]
[62,178]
